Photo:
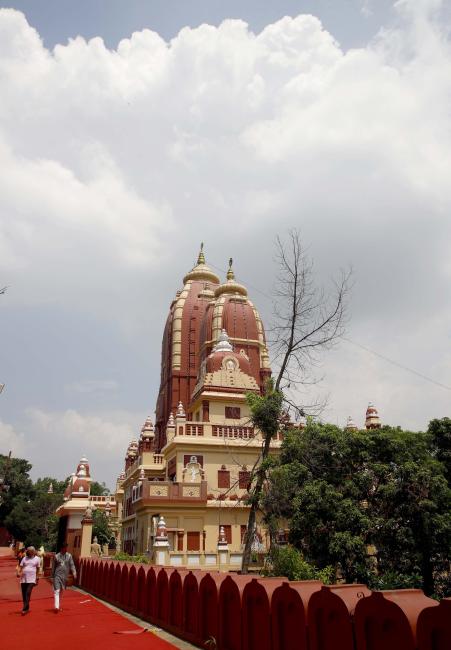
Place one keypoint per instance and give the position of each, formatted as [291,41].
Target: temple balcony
[103,500]
[169,491]
[151,461]
[183,430]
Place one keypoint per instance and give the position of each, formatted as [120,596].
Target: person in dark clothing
[28,572]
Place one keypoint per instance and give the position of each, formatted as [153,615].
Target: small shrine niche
[193,472]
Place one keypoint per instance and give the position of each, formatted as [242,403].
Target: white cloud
[56,440]
[116,163]
[11,440]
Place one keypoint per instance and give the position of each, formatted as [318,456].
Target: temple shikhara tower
[182,495]
[185,479]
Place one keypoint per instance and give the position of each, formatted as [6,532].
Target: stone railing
[241,612]
[220,431]
[103,499]
[192,429]
[177,491]
[205,560]
[209,430]
[157,463]
[133,467]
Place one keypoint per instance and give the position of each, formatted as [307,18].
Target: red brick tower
[197,316]
[180,348]
[372,420]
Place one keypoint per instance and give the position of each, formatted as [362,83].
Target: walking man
[63,564]
[28,572]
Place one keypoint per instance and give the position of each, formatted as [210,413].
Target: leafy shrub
[289,562]
[138,559]
[395,580]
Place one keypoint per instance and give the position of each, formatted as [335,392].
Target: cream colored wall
[232,453]
[232,456]
[217,517]
[208,519]
[217,413]
[74,519]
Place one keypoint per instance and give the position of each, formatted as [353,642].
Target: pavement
[83,622]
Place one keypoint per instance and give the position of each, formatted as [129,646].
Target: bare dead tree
[307,322]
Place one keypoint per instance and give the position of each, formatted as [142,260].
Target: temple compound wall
[225,611]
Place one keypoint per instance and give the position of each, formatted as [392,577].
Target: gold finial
[230,273]
[201,258]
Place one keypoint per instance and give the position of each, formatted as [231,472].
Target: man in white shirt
[28,572]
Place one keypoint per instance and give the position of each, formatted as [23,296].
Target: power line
[396,363]
[363,347]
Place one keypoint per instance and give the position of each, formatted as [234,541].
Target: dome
[372,420]
[201,272]
[223,356]
[226,370]
[79,487]
[147,428]
[223,344]
[180,356]
[231,286]
[83,467]
[197,316]
[233,312]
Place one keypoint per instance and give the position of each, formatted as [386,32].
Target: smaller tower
[351,425]
[80,482]
[146,439]
[372,420]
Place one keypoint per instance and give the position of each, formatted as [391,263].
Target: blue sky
[119,157]
[353,22]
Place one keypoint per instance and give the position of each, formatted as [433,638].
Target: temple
[189,473]
[181,498]
[75,513]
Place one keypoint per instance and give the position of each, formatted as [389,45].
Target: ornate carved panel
[191,491]
[156,490]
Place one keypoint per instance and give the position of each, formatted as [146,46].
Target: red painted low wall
[248,613]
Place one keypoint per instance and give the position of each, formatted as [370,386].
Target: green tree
[101,527]
[34,521]
[308,321]
[99,489]
[321,495]
[440,430]
[288,561]
[346,491]
[16,473]
[412,507]
[42,485]
[28,511]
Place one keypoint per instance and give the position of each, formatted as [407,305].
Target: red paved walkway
[83,623]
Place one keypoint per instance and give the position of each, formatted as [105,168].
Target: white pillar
[223,549]
[161,544]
